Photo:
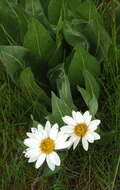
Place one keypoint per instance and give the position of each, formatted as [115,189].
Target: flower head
[42,144]
[80,126]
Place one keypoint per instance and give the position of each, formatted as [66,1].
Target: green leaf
[55,73]
[90,93]
[38,40]
[65,91]
[8,21]
[45,6]
[96,32]
[57,56]
[85,95]
[90,100]
[73,35]
[31,88]
[59,109]
[58,75]
[12,58]
[38,9]
[82,60]
[93,105]
[23,19]
[33,8]
[91,84]
[54,10]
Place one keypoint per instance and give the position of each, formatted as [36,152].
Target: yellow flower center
[80,129]
[47,146]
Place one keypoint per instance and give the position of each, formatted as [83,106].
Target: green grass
[98,169]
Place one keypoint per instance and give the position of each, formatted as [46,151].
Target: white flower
[43,143]
[81,127]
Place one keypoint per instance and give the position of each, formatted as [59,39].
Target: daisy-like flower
[81,127]
[42,144]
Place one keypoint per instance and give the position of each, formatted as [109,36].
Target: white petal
[33,152]
[76,143]
[55,159]
[96,136]
[78,117]
[50,164]
[31,142]
[67,129]
[34,130]
[40,128]
[32,159]
[62,145]
[73,138]
[61,137]
[29,135]
[40,160]
[87,117]
[89,137]
[54,131]
[44,135]
[69,120]
[74,114]
[84,143]
[34,136]
[93,125]
[47,127]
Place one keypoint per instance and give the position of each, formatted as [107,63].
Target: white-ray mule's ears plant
[43,143]
[81,127]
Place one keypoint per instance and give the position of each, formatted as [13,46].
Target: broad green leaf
[82,60]
[38,40]
[45,5]
[38,10]
[33,90]
[33,7]
[55,73]
[90,100]
[85,95]
[8,21]
[57,56]
[59,109]
[91,92]
[65,91]
[54,10]
[23,19]
[93,105]
[73,34]
[91,83]
[12,58]
[86,10]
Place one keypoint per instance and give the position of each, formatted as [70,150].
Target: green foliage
[28,84]
[63,105]
[54,10]
[38,40]
[86,23]
[82,60]
[60,46]
[91,92]
[12,58]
